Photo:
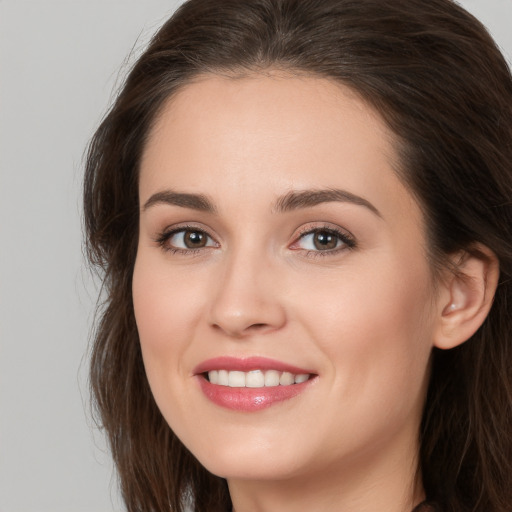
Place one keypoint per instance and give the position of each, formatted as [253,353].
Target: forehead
[270,132]
[286,106]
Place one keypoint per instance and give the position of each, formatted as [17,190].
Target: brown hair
[439,81]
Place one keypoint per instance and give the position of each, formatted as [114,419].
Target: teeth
[272,378]
[236,379]
[223,379]
[255,378]
[286,379]
[213,376]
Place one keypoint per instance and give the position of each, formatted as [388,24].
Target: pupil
[324,240]
[195,239]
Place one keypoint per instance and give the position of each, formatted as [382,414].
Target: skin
[363,318]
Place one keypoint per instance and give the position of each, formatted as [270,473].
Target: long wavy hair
[442,86]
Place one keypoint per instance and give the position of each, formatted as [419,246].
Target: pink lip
[247,364]
[248,399]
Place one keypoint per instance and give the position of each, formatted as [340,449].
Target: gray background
[60,62]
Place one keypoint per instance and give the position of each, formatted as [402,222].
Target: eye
[323,240]
[190,239]
[186,239]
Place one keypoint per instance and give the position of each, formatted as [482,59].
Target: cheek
[165,302]
[167,307]
[374,324]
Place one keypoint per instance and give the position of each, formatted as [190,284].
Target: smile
[251,384]
[255,378]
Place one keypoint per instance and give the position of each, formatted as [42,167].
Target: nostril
[257,326]
[242,319]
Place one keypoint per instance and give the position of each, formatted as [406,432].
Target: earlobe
[467,296]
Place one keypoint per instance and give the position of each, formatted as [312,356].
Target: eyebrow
[293,200]
[193,201]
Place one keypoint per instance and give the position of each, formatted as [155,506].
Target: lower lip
[250,399]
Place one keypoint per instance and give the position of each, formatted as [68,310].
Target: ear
[466,296]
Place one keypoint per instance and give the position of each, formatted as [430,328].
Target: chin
[249,467]
[257,459]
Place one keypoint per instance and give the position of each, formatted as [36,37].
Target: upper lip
[247,364]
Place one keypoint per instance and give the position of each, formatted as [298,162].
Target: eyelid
[348,240]
[166,234]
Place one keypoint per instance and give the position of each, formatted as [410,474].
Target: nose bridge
[247,298]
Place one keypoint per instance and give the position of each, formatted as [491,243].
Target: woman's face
[280,257]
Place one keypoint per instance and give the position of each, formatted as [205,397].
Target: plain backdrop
[60,64]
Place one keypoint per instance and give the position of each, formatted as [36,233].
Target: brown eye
[325,240]
[186,239]
[195,239]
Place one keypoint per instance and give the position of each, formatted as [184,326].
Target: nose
[247,299]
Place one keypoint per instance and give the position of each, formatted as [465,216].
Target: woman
[302,212]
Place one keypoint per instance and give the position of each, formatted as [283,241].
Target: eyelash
[165,236]
[347,240]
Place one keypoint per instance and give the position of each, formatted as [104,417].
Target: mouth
[255,378]
[251,384]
